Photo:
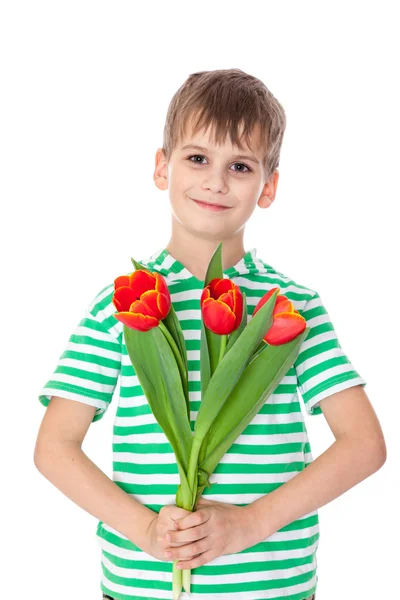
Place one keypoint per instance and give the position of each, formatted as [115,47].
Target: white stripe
[314,342]
[220,478]
[89,349]
[48,392]
[141,400]
[246,440]
[259,419]
[333,390]
[239,459]
[100,297]
[324,355]
[325,375]
[148,575]
[91,367]
[86,384]
[116,329]
[229,559]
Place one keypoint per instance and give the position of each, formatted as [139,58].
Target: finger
[179,538]
[196,561]
[189,550]
[195,518]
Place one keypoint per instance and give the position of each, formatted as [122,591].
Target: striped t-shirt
[271,450]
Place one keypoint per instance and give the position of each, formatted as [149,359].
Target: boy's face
[225,175]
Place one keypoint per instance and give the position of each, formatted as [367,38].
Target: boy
[251,537]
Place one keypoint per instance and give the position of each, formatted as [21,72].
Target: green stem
[223,346]
[176,352]
[176,580]
[182,577]
[186,579]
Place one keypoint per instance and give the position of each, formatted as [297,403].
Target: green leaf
[225,378]
[261,348]
[235,334]
[205,374]
[173,325]
[231,367]
[256,384]
[157,371]
[138,266]
[214,270]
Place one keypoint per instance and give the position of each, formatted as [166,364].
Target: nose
[215,181]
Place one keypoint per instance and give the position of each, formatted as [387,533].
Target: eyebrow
[243,156]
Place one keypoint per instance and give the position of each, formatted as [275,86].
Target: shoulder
[102,308]
[265,276]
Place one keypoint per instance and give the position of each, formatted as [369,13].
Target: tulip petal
[264,299]
[205,294]
[122,280]
[220,286]
[137,320]
[238,306]
[150,298]
[285,328]
[282,305]
[123,298]
[218,317]
[157,304]
[227,299]
[161,285]
[141,281]
[230,299]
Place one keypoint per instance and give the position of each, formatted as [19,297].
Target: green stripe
[223,468]
[335,380]
[217,488]
[249,430]
[77,389]
[234,449]
[261,547]
[249,586]
[86,375]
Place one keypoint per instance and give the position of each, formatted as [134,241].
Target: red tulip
[288,322]
[221,306]
[142,299]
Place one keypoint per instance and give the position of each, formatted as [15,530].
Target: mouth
[208,206]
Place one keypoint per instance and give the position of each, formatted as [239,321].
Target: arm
[59,457]
[358,452]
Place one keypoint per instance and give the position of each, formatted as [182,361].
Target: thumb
[204,501]
[179,514]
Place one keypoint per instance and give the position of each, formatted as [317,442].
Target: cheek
[180,178]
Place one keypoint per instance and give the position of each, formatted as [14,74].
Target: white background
[85,90]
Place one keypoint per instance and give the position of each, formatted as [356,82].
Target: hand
[162,524]
[214,529]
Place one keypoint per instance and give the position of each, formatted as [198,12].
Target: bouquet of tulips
[241,364]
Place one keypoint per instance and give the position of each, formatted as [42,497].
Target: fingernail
[168,537]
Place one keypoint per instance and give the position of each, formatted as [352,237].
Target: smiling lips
[214,207]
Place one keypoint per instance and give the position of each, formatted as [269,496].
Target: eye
[243,165]
[195,156]
[201,156]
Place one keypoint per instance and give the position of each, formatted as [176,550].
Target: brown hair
[227,98]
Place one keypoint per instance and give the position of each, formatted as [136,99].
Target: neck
[195,252]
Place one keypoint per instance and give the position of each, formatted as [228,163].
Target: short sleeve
[88,369]
[322,367]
